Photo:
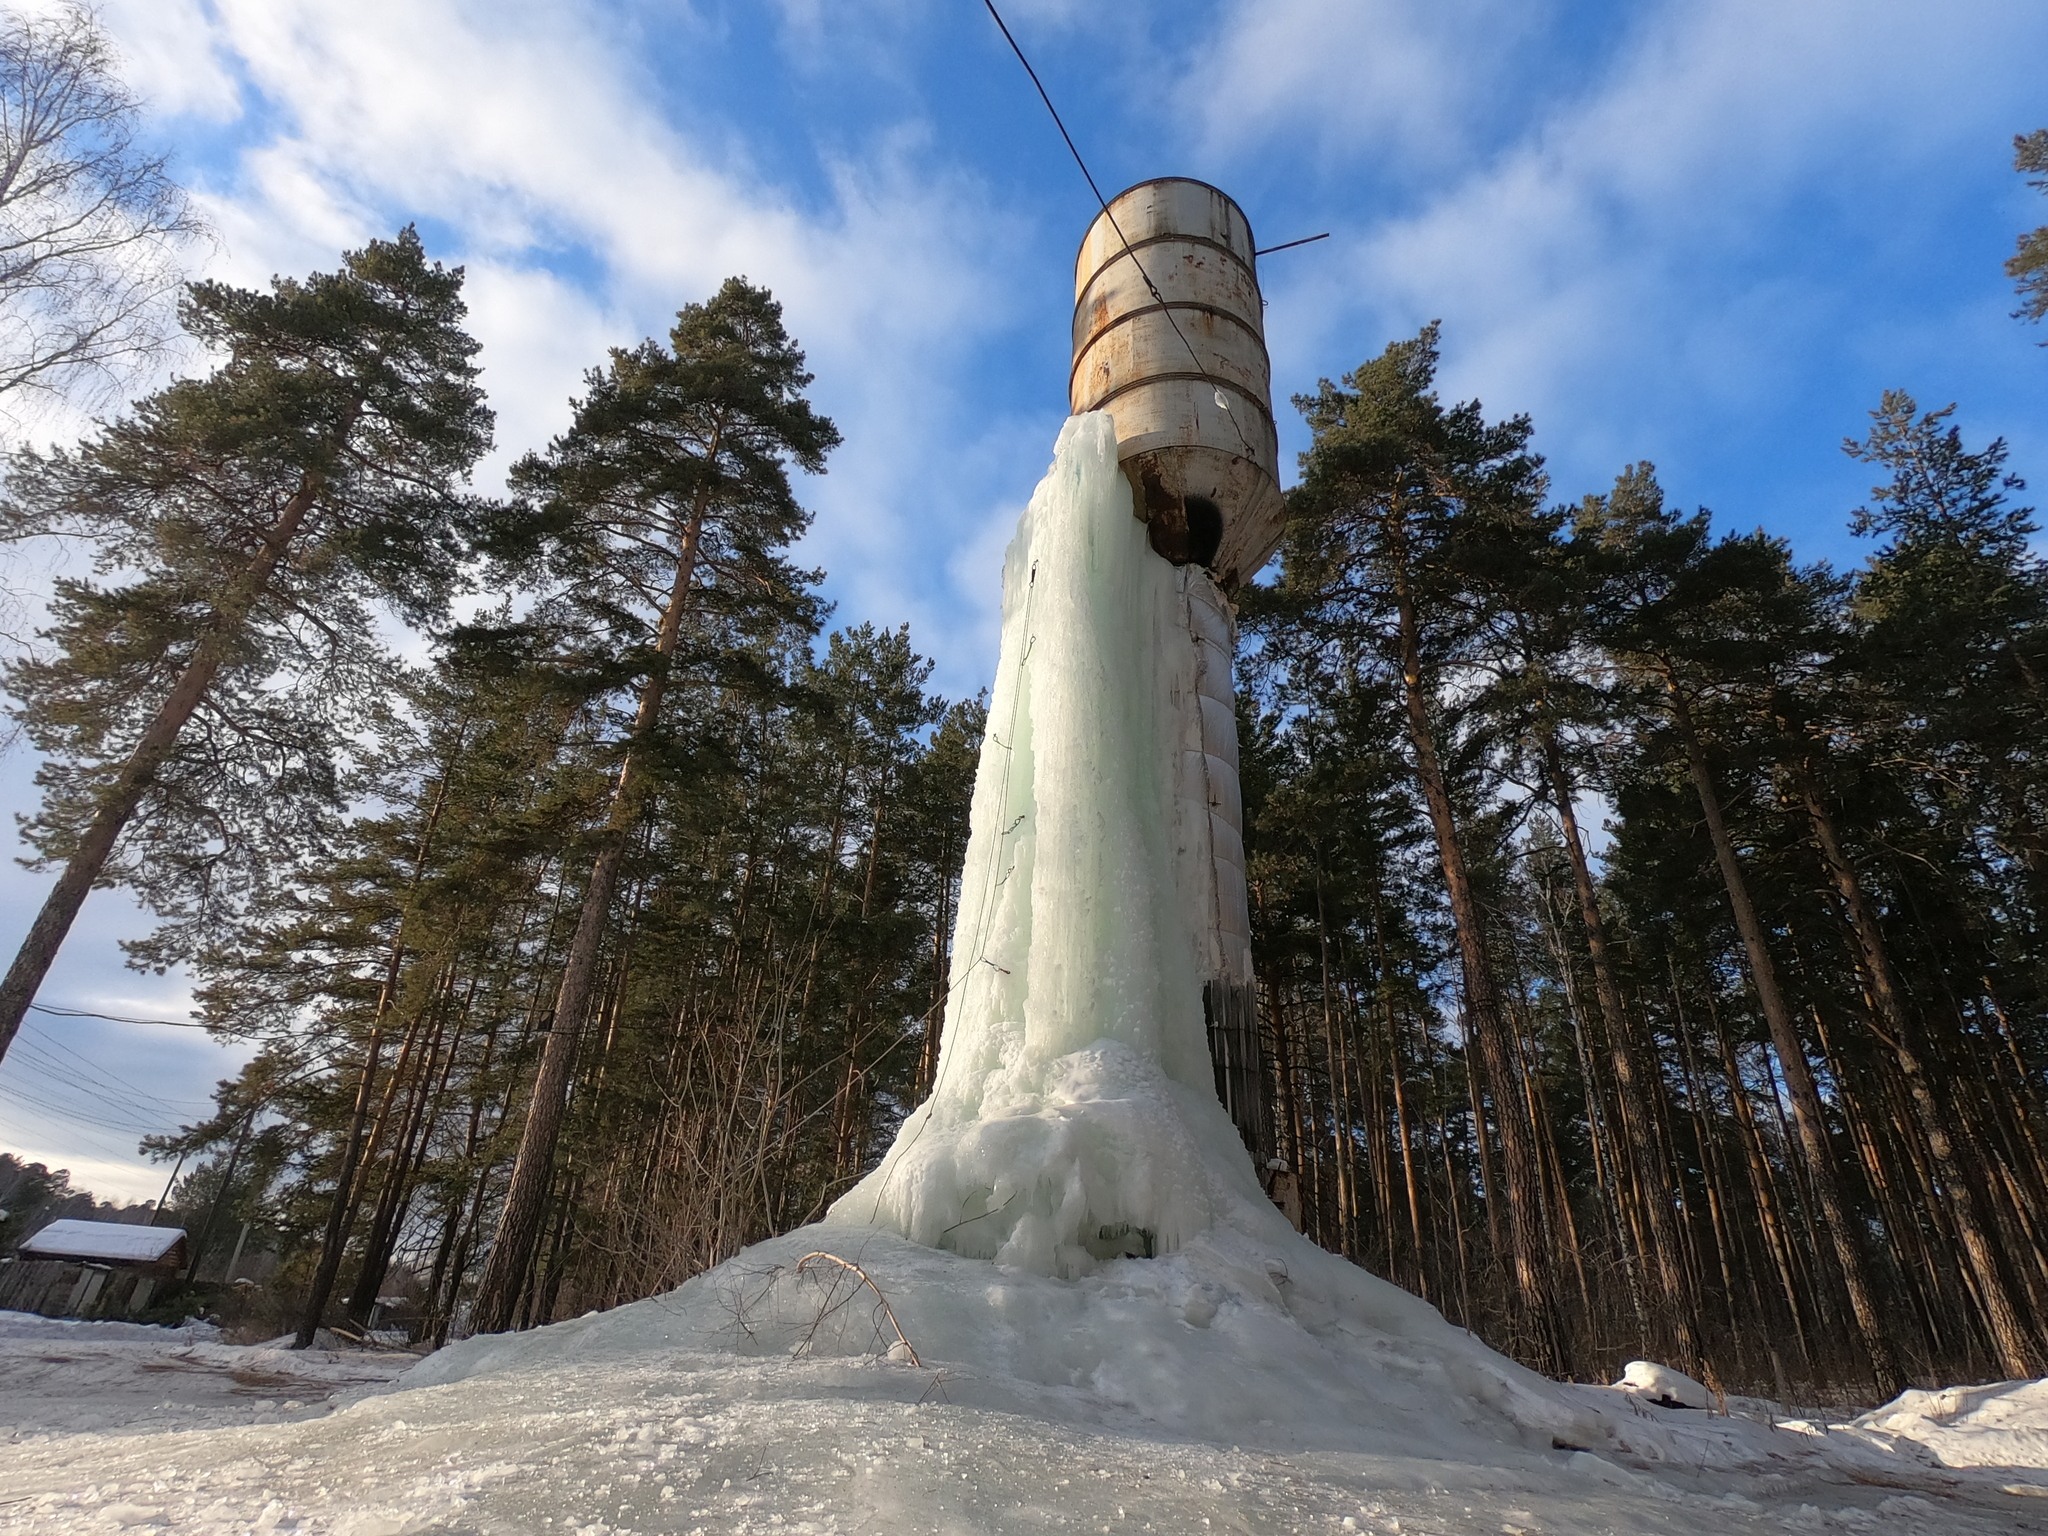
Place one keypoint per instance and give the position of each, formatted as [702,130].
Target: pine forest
[1649,924]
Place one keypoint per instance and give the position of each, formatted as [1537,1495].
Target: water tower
[1169,339]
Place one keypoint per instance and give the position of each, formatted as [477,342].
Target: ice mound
[1227,1341]
[2004,1424]
[1661,1384]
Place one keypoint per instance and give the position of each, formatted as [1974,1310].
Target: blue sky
[1705,233]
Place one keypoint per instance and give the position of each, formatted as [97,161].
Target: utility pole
[227,1181]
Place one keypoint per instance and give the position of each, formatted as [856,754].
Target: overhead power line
[114,1018]
[18,1129]
[48,1107]
[102,1090]
[1103,202]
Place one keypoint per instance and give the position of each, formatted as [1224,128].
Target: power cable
[1150,286]
[107,1078]
[42,1106]
[96,1097]
[101,1096]
[88,1140]
[114,1018]
[36,1108]
[1055,111]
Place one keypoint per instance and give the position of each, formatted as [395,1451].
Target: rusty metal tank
[1193,408]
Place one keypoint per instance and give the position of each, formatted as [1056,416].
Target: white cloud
[1684,239]
[541,329]
[1381,78]
[531,139]
[170,58]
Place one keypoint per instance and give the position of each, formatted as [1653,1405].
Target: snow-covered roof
[114,1240]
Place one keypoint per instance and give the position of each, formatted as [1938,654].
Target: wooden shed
[90,1268]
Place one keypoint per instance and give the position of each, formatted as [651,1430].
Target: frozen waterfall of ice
[1074,1117]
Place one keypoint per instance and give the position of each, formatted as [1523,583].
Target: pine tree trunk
[1807,1113]
[1384,983]
[1452,1178]
[519,1224]
[2019,1352]
[225,1192]
[1534,1303]
[1342,1166]
[394,1197]
[1770,1219]
[1419,1252]
[1633,1087]
[341,1214]
[1713,1178]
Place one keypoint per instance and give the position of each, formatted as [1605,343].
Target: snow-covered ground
[1168,1395]
[60,1378]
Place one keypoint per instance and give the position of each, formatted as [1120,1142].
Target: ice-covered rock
[1661,1384]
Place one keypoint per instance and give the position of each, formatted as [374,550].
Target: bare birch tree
[92,227]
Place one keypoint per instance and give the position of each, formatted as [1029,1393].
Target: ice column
[1074,1116]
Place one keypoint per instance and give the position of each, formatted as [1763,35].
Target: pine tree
[349,971]
[2028,266]
[271,508]
[1695,618]
[1951,648]
[676,464]
[1546,693]
[1952,614]
[1402,502]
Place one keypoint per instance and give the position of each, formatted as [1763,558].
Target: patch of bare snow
[2000,1426]
[760,1400]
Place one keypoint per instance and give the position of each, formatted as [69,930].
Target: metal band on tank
[1193,378]
[1229,202]
[1082,350]
[1192,181]
[1126,253]
[1195,304]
